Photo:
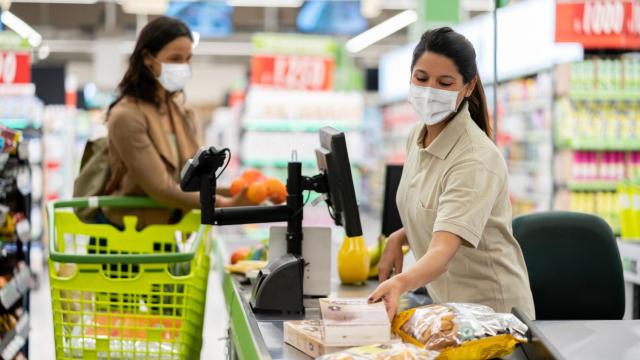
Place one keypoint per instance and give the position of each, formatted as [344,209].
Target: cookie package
[395,351]
[461,331]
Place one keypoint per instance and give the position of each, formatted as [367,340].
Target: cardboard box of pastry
[307,336]
[354,322]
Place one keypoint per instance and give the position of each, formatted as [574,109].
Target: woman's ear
[147,59]
[471,87]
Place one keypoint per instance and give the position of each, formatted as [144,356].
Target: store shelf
[290,125]
[15,339]
[527,106]
[530,165]
[599,95]
[602,144]
[15,289]
[18,124]
[594,186]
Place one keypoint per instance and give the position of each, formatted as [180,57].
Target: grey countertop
[590,339]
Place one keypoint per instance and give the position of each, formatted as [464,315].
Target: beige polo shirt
[459,184]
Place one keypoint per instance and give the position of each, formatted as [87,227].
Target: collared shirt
[459,184]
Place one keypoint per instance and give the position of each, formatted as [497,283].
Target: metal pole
[495,69]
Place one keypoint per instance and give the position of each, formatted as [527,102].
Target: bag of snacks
[395,351]
[461,331]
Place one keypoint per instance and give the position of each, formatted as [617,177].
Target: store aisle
[41,344]
[41,334]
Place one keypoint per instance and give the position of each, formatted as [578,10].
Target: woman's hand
[240,199]
[392,256]
[389,292]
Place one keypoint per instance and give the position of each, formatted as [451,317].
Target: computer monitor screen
[390,216]
[333,161]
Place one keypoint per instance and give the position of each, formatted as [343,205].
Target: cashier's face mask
[432,105]
[174,77]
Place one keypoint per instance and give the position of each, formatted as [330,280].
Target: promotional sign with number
[292,72]
[599,24]
[15,67]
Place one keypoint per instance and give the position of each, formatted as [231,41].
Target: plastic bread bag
[395,351]
[461,331]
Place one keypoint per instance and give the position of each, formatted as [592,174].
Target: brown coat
[139,149]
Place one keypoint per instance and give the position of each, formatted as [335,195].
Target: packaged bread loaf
[395,351]
[461,331]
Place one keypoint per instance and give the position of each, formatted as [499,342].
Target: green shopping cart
[127,294]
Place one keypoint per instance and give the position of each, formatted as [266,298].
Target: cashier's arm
[434,263]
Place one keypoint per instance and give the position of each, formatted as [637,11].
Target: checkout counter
[257,311]
[260,336]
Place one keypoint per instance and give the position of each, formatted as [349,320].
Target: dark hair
[446,42]
[139,82]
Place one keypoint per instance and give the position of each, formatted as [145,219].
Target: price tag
[292,72]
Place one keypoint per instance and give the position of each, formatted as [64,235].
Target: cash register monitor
[390,216]
[333,161]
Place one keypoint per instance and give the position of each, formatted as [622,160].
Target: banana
[375,252]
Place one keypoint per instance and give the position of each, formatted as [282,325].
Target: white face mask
[174,77]
[432,105]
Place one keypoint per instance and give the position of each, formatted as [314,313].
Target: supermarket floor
[41,335]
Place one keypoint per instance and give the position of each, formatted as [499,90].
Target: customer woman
[453,196]
[150,133]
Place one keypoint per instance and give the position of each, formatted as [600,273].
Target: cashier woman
[453,196]
[151,133]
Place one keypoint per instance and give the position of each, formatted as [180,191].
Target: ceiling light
[145,7]
[79,2]
[370,8]
[381,31]
[265,3]
[21,28]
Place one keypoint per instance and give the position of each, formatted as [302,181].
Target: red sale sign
[15,67]
[599,24]
[292,72]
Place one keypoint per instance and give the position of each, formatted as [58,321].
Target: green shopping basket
[127,294]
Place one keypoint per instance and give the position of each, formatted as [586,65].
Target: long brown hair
[446,42]
[139,82]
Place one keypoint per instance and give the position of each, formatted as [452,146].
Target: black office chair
[574,266]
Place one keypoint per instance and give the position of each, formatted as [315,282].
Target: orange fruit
[237,185]
[257,192]
[252,175]
[276,190]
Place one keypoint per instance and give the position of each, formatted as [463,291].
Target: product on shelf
[598,135]
[524,125]
[629,210]
[603,204]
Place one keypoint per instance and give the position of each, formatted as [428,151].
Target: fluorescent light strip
[381,31]
[78,2]
[21,28]
[265,3]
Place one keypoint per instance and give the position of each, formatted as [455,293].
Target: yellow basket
[127,294]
